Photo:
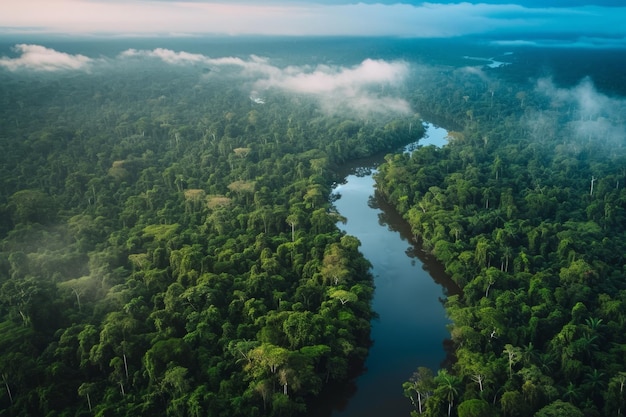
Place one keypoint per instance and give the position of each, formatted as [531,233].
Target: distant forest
[168,246]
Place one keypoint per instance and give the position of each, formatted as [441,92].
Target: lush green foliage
[168,247]
[527,214]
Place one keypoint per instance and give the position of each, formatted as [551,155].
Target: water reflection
[411,328]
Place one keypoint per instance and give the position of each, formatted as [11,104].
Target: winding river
[411,328]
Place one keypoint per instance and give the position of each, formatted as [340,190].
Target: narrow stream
[411,328]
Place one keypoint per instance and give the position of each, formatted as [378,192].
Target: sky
[591,20]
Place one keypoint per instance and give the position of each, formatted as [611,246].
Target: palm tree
[547,362]
[588,346]
[449,386]
[572,393]
[594,328]
[595,384]
[530,355]
[595,380]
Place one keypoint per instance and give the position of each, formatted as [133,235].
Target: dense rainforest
[526,208]
[168,245]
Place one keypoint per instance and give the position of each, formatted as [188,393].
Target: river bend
[411,326]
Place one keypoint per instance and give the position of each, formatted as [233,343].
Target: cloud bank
[367,88]
[360,88]
[582,42]
[370,87]
[40,58]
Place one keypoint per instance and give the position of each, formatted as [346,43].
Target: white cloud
[364,89]
[583,100]
[359,88]
[591,115]
[325,78]
[167,55]
[40,58]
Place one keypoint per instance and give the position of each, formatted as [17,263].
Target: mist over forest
[168,245]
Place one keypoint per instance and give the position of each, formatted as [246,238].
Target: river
[411,326]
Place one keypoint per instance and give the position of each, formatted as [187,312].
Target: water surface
[411,328]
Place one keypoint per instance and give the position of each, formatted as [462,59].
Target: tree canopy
[168,247]
[524,207]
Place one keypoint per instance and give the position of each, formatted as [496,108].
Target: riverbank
[411,328]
